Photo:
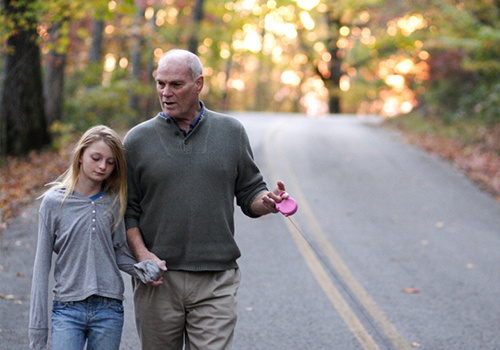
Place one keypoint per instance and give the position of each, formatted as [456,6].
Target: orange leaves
[482,166]
[479,160]
[22,179]
[411,291]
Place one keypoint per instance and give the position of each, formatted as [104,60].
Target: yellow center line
[333,294]
[342,270]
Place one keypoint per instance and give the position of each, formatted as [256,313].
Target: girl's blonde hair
[116,183]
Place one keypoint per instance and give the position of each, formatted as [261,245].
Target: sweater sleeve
[133,212]
[38,324]
[250,181]
[146,271]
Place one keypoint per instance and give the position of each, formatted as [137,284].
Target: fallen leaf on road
[415,345]
[8,296]
[411,290]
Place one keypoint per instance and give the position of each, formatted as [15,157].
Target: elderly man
[185,167]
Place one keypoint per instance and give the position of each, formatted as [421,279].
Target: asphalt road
[391,248]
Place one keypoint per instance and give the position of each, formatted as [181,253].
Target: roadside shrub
[454,93]
[99,105]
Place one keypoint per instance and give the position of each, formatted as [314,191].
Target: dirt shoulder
[22,180]
[475,151]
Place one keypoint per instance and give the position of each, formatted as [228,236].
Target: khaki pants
[196,307]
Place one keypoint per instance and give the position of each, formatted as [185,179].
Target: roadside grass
[471,146]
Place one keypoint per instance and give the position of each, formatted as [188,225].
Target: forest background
[430,67]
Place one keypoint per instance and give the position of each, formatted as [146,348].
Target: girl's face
[97,162]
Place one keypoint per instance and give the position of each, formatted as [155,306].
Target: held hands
[148,271]
[161,265]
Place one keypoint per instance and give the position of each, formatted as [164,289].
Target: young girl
[81,220]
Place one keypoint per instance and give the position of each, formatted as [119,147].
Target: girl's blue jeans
[96,320]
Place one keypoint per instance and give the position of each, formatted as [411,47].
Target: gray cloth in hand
[148,271]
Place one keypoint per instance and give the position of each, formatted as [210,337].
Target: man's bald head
[177,56]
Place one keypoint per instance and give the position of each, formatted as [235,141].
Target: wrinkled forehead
[172,68]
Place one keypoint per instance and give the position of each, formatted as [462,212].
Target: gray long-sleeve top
[90,252]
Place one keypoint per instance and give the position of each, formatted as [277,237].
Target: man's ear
[200,81]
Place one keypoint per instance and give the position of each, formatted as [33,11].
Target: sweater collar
[193,123]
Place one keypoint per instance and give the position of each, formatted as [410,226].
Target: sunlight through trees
[382,57]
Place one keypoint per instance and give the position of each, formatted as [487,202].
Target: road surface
[391,248]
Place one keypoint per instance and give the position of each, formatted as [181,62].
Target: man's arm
[141,253]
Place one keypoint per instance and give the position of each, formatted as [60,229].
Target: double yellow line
[274,141]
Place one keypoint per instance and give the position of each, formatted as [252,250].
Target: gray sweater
[89,251]
[182,189]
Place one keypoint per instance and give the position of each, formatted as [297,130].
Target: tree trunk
[95,68]
[95,54]
[22,115]
[135,59]
[54,79]
[225,97]
[197,17]
[333,81]
[151,99]
[261,93]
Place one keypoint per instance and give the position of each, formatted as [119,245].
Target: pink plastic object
[287,206]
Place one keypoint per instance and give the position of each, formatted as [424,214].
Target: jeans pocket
[115,305]
[59,305]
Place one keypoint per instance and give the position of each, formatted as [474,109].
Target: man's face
[177,91]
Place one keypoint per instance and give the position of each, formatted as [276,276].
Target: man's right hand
[136,244]
[147,255]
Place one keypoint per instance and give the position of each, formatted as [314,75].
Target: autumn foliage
[22,180]
[478,159]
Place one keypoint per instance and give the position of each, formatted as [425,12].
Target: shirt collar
[98,195]
[193,123]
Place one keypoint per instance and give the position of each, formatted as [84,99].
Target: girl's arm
[124,258]
[38,324]
[146,271]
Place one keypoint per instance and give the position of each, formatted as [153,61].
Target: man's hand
[161,265]
[265,202]
[274,197]
[141,253]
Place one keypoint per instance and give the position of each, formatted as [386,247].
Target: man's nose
[166,91]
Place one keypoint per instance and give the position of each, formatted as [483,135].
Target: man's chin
[172,113]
